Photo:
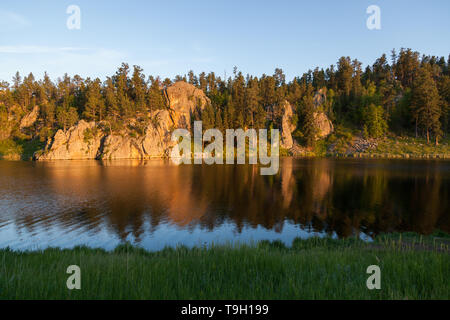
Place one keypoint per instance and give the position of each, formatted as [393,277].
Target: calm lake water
[155,204]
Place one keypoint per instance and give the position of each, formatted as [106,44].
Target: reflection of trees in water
[322,195]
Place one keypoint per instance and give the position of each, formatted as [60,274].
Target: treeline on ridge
[404,94]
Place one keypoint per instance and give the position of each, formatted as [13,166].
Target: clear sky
[171,37]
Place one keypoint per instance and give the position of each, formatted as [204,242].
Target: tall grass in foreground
[309,269]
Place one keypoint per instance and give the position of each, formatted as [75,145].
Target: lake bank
[24,150]
[392,147]
[341,147]
[412,267]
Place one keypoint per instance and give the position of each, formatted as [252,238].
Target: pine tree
[66,116]
[218,120]
[139,89]
[426,104]
[155,98]
[309,126]
[374,121]
[122,85]
[94,109]
[252,101]
[207,116]
[444,92]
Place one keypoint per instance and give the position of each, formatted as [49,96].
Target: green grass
[310,269]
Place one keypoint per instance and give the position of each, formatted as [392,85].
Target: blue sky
[171,37]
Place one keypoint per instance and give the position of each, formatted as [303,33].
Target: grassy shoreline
[412,267]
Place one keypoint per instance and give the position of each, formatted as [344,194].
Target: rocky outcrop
[287,125]
[323,124]
[80,142]
[182,99]
[320,97]
[156,141]
[86,140]
[30,118]
[117,147]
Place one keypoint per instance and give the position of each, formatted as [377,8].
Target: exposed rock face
[323,124]
[157,140]
[30,118]
[182,99]
[86,141]
[73,144]
[320,97]
[155,143]
[117,147]
[287,127]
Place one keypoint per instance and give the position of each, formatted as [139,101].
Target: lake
[155,204]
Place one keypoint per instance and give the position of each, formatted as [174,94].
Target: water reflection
[97,203]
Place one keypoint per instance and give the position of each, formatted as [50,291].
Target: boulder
[287,127]
[182,99]
[323,124]
[30,118]
[320,97]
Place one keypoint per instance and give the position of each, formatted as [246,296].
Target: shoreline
[361,156]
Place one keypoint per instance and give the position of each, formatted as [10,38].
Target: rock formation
[72,144]
[86,140]
[30,118]
[287,125]
[182,99]
[320,97]
[156,141]
[323,124]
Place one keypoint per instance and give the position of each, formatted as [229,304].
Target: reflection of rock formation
[128,191]
[339,197]
[321,183]
[287,182]
[287,126]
